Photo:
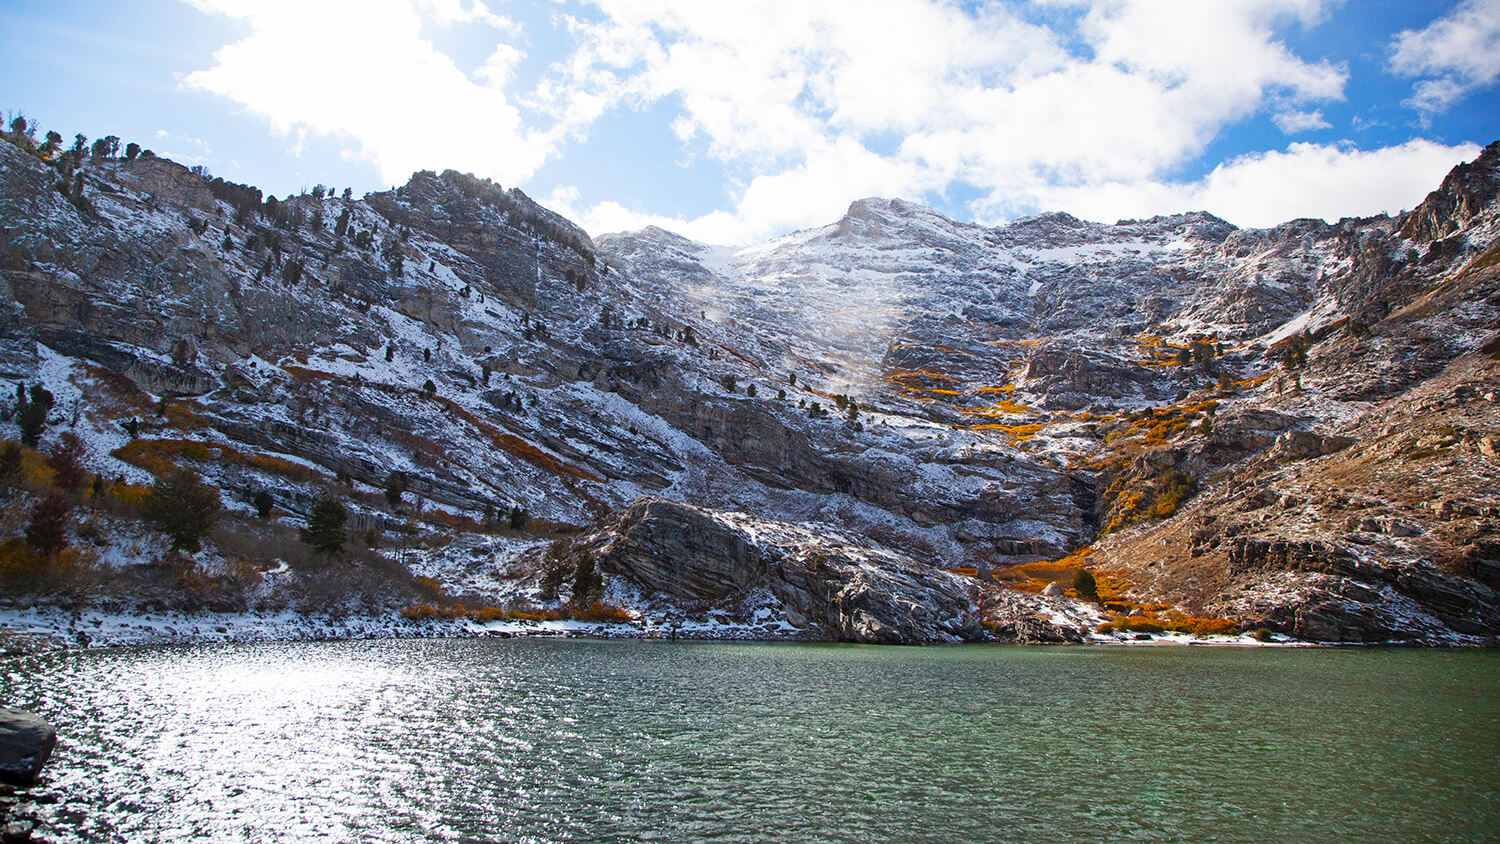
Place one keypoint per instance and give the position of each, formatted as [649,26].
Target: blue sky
[734,122]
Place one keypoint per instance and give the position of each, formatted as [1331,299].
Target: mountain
[1292,428]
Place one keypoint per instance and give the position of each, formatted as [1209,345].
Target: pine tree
[47,531]
[66,460]
[588,584]
[31,415]
[183,507]
[263,503]
[395,485]
[1085,585]
[325,526]
[32,418]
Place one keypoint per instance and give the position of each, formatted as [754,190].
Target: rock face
[26,743]
[845,589]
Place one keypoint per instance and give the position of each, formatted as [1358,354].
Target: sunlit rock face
[953,393]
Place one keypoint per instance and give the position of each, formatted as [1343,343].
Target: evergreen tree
[66,460]
[518,518]
[395,485]
[263,503]
[325,527]
[183,507]
[32,415]
[1085,585]
[47,530]
[588,584]
[32,418]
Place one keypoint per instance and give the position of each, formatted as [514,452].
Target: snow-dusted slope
[1014,390]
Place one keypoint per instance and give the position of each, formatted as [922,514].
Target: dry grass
[162,456]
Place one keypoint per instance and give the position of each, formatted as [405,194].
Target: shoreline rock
[26,743]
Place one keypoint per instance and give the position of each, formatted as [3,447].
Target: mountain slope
[967,396]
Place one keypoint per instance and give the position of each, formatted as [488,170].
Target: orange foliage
[515,446]
[427,612]
[606,613]
[160,457]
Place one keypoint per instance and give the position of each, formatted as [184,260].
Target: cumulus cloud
[1328,181]
[800,95]
[360,70]
[1292,122]
[806,106]
[1456,54]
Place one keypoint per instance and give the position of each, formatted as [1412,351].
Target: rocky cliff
[1288,426]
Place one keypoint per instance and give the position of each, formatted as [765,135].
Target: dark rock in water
[16,832]
[26,743]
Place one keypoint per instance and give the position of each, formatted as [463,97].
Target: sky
[734,122]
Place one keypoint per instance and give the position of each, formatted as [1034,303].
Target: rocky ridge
[957,396]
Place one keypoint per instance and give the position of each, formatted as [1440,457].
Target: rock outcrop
[831,583]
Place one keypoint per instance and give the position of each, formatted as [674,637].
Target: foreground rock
[837,586]
[26,743]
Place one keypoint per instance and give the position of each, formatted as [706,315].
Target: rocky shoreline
[26,743]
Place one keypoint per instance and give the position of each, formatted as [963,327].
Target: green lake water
[542,740]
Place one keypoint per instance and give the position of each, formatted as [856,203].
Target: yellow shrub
[420,612]
[1215,627]
[487,614]
[602,612]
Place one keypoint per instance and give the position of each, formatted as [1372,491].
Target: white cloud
[987,99]
[1292,122]
[360,70]
[1457,53]
[1306,180]
[807,105]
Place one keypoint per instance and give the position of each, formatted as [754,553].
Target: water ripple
[527,740]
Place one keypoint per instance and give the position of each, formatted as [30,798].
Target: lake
[574,740]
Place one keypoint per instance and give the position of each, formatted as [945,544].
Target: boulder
[26,743]
[1055,589]
[1302,445]
[853,591]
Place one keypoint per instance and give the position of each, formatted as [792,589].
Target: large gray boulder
[846,588]
[26,743]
